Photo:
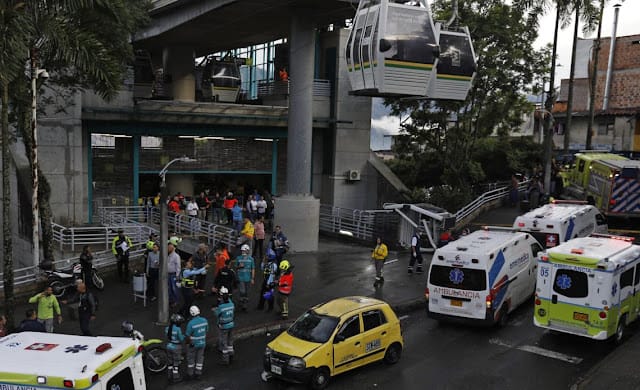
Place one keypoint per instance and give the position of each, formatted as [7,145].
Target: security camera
[42,73]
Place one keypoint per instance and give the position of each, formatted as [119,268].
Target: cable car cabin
[392,49]
[221,79]
[456,65]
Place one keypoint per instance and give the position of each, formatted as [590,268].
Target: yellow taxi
[332,338]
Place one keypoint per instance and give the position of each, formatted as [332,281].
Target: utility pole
[548,130]
[594,79]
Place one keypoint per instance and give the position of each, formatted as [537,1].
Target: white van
[483,276]
[560,221]
[33,360]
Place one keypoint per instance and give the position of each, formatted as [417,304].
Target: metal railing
[321,87]
[74,238]
[483,199]
[147,219]
[354,223]
[101,259]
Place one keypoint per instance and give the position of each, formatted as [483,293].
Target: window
[571,284]
[535,248]
[626,279]
[581,166]
[373,319]
[459,278]
[121,381]
[606,126]
[600,219]
[313,327]
[350,328]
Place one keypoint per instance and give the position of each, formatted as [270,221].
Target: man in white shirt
[173,270]
[192,212]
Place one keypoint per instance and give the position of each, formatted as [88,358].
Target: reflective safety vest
[176,337]
[197,329]
[187,282]
[225,313]
[285,284]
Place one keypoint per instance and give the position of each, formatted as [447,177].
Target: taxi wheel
[392,356]
[320,378]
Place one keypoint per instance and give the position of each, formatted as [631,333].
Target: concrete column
[178,62]
[298,211]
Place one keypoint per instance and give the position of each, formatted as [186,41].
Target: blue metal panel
[136,168]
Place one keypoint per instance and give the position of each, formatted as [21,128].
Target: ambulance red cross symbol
[41,347]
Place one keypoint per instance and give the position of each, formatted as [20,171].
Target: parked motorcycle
[154,355]
[62,280]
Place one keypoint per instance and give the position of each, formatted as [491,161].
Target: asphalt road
[436,356]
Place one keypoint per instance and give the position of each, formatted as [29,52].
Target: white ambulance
[560,221]
[589,286]
[482,277]
[38,361]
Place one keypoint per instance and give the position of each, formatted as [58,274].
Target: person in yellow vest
[379,256]
[246,234]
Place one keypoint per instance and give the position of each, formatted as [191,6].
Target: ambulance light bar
[67,383]
[499,228]
[42,380]
[577,251]
[563,201]
[521,224]
[103,347]
[613,237]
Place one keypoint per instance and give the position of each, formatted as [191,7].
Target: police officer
[225,314]
[120,248]
[175,337]
[269,271]
[188,284]
[197,329]
[416,255]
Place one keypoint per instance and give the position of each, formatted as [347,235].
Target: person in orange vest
[284,76]
[285,285]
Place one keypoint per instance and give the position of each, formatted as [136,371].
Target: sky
[628,24]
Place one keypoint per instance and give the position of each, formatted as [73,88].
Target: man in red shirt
[173,205]
[228,203]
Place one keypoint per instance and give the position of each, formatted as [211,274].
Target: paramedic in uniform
[196,333]
[175,337]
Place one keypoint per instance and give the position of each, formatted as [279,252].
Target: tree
[589,18]
[12,25]
[82,44]
[448,132]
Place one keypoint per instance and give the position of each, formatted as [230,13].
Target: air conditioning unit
[353,175]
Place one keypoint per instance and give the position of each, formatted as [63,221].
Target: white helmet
[245,248]
[223,290]
[194,311]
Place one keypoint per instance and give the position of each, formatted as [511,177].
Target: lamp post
[36,73]
[163,288]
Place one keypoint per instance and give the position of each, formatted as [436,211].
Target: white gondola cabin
[456,66]
[221,80]
[392,49]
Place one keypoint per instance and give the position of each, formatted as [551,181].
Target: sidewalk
[337,269]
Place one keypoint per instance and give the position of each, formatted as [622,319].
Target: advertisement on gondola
[456,56]
[410,35]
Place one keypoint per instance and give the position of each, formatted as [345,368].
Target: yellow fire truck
[609,181]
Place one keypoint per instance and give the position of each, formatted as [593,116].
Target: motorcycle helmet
[127,327]
[224,291]
[177,319]
[194,311]
[245,248]
[284,265]
[271,255]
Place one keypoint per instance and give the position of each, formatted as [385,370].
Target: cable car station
[208,84]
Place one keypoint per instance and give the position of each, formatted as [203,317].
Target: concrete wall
[621,138]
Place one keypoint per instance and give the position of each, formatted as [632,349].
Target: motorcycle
[154,354]
[62,280]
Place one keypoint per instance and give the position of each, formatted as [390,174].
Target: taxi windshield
[313,327]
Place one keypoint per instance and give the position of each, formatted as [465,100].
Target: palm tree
[589,18]
[81,43]
[12,32]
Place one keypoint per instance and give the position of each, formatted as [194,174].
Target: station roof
[219,25]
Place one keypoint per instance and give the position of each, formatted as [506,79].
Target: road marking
[404,317]
[539,351]
[391,261]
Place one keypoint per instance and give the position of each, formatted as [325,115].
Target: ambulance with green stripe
[589,286]
[38,361]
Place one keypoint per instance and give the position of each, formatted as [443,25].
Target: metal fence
[359,224]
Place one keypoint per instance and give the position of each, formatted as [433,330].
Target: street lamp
[36,73]
[163,288]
